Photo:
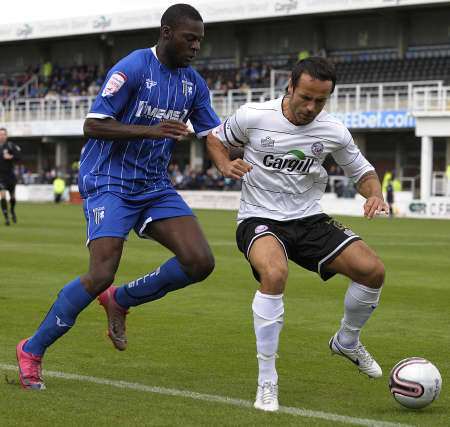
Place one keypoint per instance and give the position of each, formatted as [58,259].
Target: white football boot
[359,356]
[267,397]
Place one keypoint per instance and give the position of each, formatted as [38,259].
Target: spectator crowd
[52,81]
[186,178]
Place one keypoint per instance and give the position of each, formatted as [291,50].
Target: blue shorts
[109,215]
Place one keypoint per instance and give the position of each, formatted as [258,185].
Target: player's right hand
[168,129]
[7,155]
[236,169]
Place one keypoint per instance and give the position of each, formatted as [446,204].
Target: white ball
[415,382]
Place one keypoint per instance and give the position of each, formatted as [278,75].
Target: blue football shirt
[141,90]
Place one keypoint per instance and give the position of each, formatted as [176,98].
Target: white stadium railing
[431,99]
[226,103]
[45,109]
[411,96]
[378,97]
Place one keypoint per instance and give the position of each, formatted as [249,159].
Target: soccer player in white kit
[285,142]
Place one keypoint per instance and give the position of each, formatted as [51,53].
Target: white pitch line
[306,413]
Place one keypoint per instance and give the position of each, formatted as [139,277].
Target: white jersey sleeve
[233,131]
[350,158]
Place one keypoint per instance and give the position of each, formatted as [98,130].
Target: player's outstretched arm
[113,129]
[220,156]
[369,186]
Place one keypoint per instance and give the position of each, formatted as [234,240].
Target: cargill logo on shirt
[146,110]
[292,161]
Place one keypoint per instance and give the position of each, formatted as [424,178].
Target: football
[415,382]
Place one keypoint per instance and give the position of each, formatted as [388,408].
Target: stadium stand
[394,70]
[387,63]
[420,63]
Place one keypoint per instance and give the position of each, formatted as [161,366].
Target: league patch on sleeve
[113,85]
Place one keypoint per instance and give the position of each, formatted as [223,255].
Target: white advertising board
[45,128]
[405,206]
[107,19]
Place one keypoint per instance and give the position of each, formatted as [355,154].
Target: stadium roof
[114,15]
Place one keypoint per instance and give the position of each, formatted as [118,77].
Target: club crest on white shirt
[317,148]
[113,85]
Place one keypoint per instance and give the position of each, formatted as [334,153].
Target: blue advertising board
[390,119]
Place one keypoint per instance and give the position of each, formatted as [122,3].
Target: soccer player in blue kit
[138,116]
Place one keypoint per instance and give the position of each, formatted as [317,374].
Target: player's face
[307,99]
[3,136]
[184,43]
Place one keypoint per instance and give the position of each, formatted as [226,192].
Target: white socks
[268,313]
[359,303]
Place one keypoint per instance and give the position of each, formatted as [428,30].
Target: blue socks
[71,300]
[166,278]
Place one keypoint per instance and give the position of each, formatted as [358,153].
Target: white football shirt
[287,180]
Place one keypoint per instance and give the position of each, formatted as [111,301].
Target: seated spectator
[51,95]
[254,74]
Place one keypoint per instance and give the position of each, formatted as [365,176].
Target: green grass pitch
[200,339]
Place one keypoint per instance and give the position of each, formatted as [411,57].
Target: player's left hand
[235,169]
[375,206]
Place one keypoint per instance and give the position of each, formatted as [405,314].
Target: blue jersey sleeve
[203,117]
[120,84]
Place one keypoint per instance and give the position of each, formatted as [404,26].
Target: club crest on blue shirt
[113,85]
[150,83]
[188,87]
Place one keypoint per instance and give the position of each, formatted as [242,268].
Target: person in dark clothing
[9,154]
[390,198]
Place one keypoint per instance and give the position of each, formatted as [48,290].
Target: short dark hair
[317,67]
[179,12]
[4,130]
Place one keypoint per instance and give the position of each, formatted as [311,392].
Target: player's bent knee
[379,274]
[273,280]
[199,267]
[372,274]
